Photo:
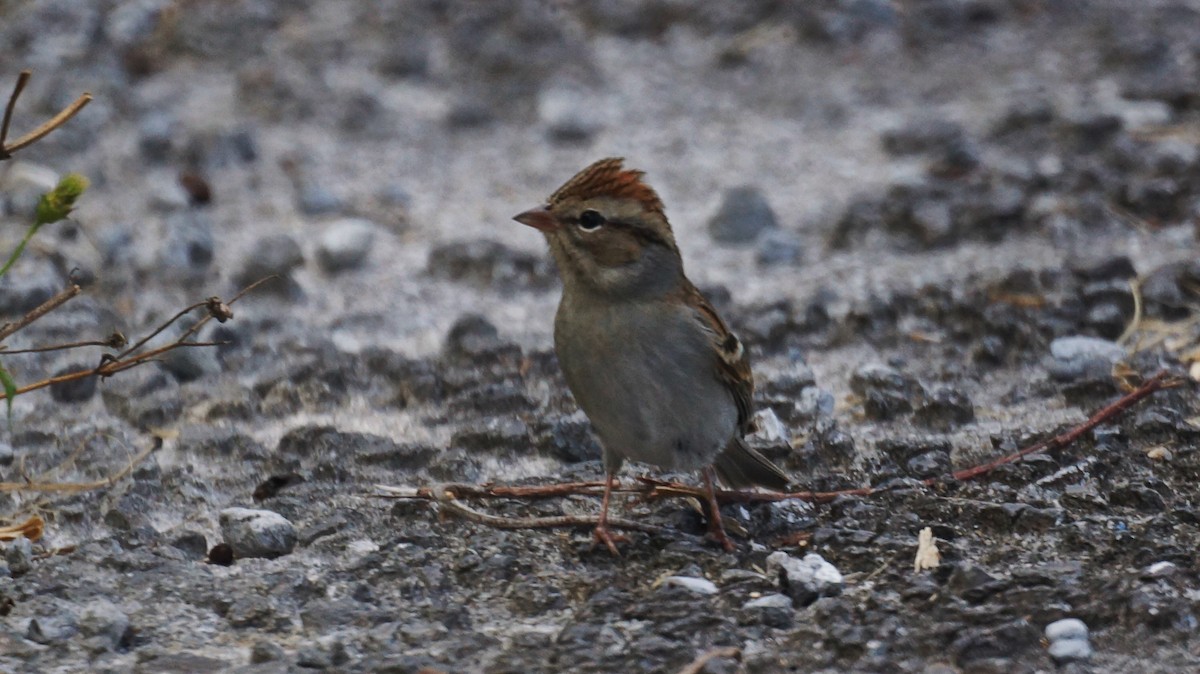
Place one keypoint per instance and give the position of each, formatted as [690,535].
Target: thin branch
[46,307]
[110,367]
[449,495]
[449,502]
[220,310]
[22,80]
[49,125]
[157,331]
[81,486]
[111,343]
[1162,380]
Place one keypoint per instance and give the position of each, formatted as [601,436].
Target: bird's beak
[538,218]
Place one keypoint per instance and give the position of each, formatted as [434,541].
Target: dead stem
[450,495]
[44,308]
[44,129]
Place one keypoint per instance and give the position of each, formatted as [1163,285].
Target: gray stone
[1070,650]
[191,363]
[18,553]
[188,247]
[779,247]
[770,601]
[257,533]
[105,621]
[744,214]
[345,244]
[6,454]
[1067,628]
[1080,357]
[274,254]
[77,391]
[265,651]
[806,580]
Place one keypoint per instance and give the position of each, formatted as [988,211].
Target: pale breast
[646,377]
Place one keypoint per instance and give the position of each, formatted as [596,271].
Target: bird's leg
[602,534]
[715,528]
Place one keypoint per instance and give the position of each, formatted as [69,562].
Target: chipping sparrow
[647,358]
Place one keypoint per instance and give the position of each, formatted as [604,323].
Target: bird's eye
[590,220]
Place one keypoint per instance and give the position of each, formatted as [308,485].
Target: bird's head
[608,232]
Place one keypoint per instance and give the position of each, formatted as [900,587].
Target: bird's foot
[717,532]
[602,534]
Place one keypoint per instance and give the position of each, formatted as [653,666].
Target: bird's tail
[739,467]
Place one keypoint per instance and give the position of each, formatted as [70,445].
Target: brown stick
[42,130]
[46,307]
[111,365]
[652,488]
[81,486]
[49,125]
[560,522]
[1157,383]
[22,80]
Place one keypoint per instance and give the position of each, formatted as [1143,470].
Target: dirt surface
[960,193]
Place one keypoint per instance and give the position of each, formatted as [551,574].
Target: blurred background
[922,216]
[882,143]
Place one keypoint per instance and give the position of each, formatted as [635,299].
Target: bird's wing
[732,361]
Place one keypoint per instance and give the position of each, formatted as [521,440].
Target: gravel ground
[923,218]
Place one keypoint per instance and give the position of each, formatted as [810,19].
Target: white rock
[345,244]
[697,585]
[770,428]
[1070,650]
[812,572]
[1067,628]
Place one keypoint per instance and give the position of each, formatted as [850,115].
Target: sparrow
[647,358]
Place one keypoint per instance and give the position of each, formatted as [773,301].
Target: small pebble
[696,585]
[1160,570]
[1067,628]
[274,254]
[257,533]
[770,601]
[19,555]
[1070,650]
[106,622]
[770,428]
[805,580]
[1081,347]
[345,244]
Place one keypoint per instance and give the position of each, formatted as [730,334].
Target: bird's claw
[602,535]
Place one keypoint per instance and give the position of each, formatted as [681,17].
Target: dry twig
[110,364]
[43,130]
[73,487]
[649,488]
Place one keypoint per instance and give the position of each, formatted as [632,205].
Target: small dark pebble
[276,483]
[221,554]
